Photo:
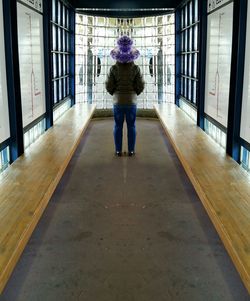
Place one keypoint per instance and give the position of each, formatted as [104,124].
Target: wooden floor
[27,185]
[222,185]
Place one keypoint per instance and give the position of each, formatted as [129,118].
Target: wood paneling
[222,185]
[28,184]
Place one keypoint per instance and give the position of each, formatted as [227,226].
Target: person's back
[124,82]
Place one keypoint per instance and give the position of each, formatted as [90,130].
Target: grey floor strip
[124,229]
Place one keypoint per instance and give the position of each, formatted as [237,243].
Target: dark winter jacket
[125,82]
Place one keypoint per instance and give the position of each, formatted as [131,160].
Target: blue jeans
[120,111]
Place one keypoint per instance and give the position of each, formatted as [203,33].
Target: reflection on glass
[59,12]
[195,10]
[63,16]
[55,92]
[59,65]
[60,96]
[54,65]
[186,16]
[190,90]
[67,18]
[196,37]
[195,65]
[186,40]
[54,10]
[59,38]
[149,35]
[190,67]
[191,39]
[64,87]
[194,92]
[190,12]
[54,37]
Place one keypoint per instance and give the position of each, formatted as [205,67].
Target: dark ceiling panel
[125,13]
[125,4]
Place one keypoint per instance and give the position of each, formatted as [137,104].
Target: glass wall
[245,120]
[60,52]
[31,62]
[245,113]
[219,49]
[4,109]
[97,36]
[218,71]
[189,51]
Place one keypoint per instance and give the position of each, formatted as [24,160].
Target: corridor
[124,229]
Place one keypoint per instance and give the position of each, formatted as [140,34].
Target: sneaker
[119,154]
[130,154]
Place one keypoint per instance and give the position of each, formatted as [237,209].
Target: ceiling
[119,8]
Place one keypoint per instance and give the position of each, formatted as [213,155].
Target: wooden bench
[28,184]
[222,185]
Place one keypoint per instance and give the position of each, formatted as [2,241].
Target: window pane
[186,62]
[186,88]
[67,58]
[54,65]
[195,64]
[190,90]
[64,40]
[186,16]
[59,13]
[195,37]
[190,65]
[54,10]
[186,40]
[190,39]
[60,90]
[63,16]
[195,10]
[68,92]
[67,19]
[64,64]
[182,41]
[67,42]
[64,87]
[59,38]
[194,92]
[55,91]
[182,19]
[54,38]
[190,12]
[59,65]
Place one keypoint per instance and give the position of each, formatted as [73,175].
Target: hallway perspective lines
[125,229]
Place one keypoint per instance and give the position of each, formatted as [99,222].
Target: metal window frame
[185,57]
[64,57]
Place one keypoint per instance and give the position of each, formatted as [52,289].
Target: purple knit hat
[124,52]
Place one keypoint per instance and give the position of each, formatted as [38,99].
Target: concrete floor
[124,229]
